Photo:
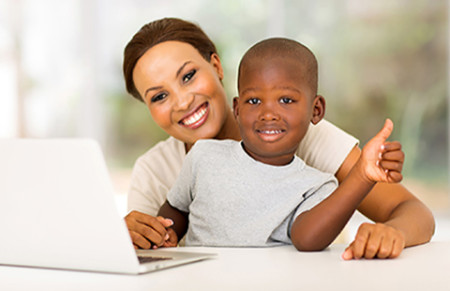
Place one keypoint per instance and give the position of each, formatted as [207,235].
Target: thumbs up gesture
[382,161]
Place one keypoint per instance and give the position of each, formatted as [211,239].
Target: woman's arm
[401,219]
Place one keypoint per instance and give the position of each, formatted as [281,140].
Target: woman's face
[182,90]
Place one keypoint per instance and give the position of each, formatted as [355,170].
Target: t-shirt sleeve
[317,195]
[326,146]
[314,197]
[153,175]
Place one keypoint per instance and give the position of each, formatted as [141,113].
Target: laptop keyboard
[146,259]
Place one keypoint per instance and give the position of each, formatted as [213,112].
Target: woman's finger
[139,241]
[373,244]
[359,244]
[151,222]
[397,248]
[151,234]
[385,248]
[348,253]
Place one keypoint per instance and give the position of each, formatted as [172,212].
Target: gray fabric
[234,200]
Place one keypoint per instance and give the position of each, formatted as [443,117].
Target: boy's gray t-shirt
[234,200]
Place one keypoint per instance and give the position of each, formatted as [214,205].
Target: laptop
[57,210]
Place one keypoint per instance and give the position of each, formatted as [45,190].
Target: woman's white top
[324,147]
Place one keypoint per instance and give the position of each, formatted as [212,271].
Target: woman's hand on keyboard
[147,231]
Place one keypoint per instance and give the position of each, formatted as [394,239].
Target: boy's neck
[273,161]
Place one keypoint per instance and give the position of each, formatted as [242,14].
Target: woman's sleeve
[153,175]
[325,146]
[146,192]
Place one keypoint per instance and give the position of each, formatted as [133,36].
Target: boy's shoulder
[313,173]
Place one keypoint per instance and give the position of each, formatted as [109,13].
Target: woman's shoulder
[169,151]
[325,146]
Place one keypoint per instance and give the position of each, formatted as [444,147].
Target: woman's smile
[184,92]
[197,118]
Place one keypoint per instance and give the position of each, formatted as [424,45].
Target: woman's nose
[183,101]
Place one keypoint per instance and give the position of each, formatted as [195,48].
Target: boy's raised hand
[382,161]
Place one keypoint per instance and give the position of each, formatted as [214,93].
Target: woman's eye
[253,101]
[286,100]
[189,76]
[158,97]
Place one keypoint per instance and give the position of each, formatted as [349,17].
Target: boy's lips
[196,118]
[270,134]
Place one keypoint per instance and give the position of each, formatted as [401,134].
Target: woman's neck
[229,130]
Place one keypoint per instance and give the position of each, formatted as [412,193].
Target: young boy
[257,192]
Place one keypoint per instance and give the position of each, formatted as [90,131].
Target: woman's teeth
[195,117]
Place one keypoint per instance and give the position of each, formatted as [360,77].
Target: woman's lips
[197,118]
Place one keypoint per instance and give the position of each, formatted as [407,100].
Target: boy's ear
[236,106]
[318,109]
[215,62]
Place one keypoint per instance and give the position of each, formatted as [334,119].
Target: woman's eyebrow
[150,89]
[181,68]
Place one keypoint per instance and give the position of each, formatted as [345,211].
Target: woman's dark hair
[159,31]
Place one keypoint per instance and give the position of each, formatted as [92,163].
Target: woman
[173,67]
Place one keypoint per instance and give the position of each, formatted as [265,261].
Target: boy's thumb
[386,131]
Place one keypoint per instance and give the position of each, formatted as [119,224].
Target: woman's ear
[236,107]
[318,109]
[215,62]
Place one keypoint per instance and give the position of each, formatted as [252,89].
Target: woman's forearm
[414,220]
[394,205]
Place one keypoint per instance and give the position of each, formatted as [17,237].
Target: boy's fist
[382,161]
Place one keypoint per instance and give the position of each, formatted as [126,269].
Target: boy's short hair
[283,47]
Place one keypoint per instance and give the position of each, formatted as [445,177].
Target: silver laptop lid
[57,208]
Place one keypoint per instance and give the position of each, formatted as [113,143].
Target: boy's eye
[253,101]
[189,76]
[158,97]
[286,100]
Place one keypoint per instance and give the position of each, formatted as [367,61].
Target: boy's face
[274,109]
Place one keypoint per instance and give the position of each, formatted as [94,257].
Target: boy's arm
[179,218]
[380,161]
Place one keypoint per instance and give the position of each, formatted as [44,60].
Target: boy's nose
[268,113]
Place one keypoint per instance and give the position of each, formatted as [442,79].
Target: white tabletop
[425,267]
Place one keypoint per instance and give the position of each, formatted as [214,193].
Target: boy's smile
[270,132]
[274,108]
